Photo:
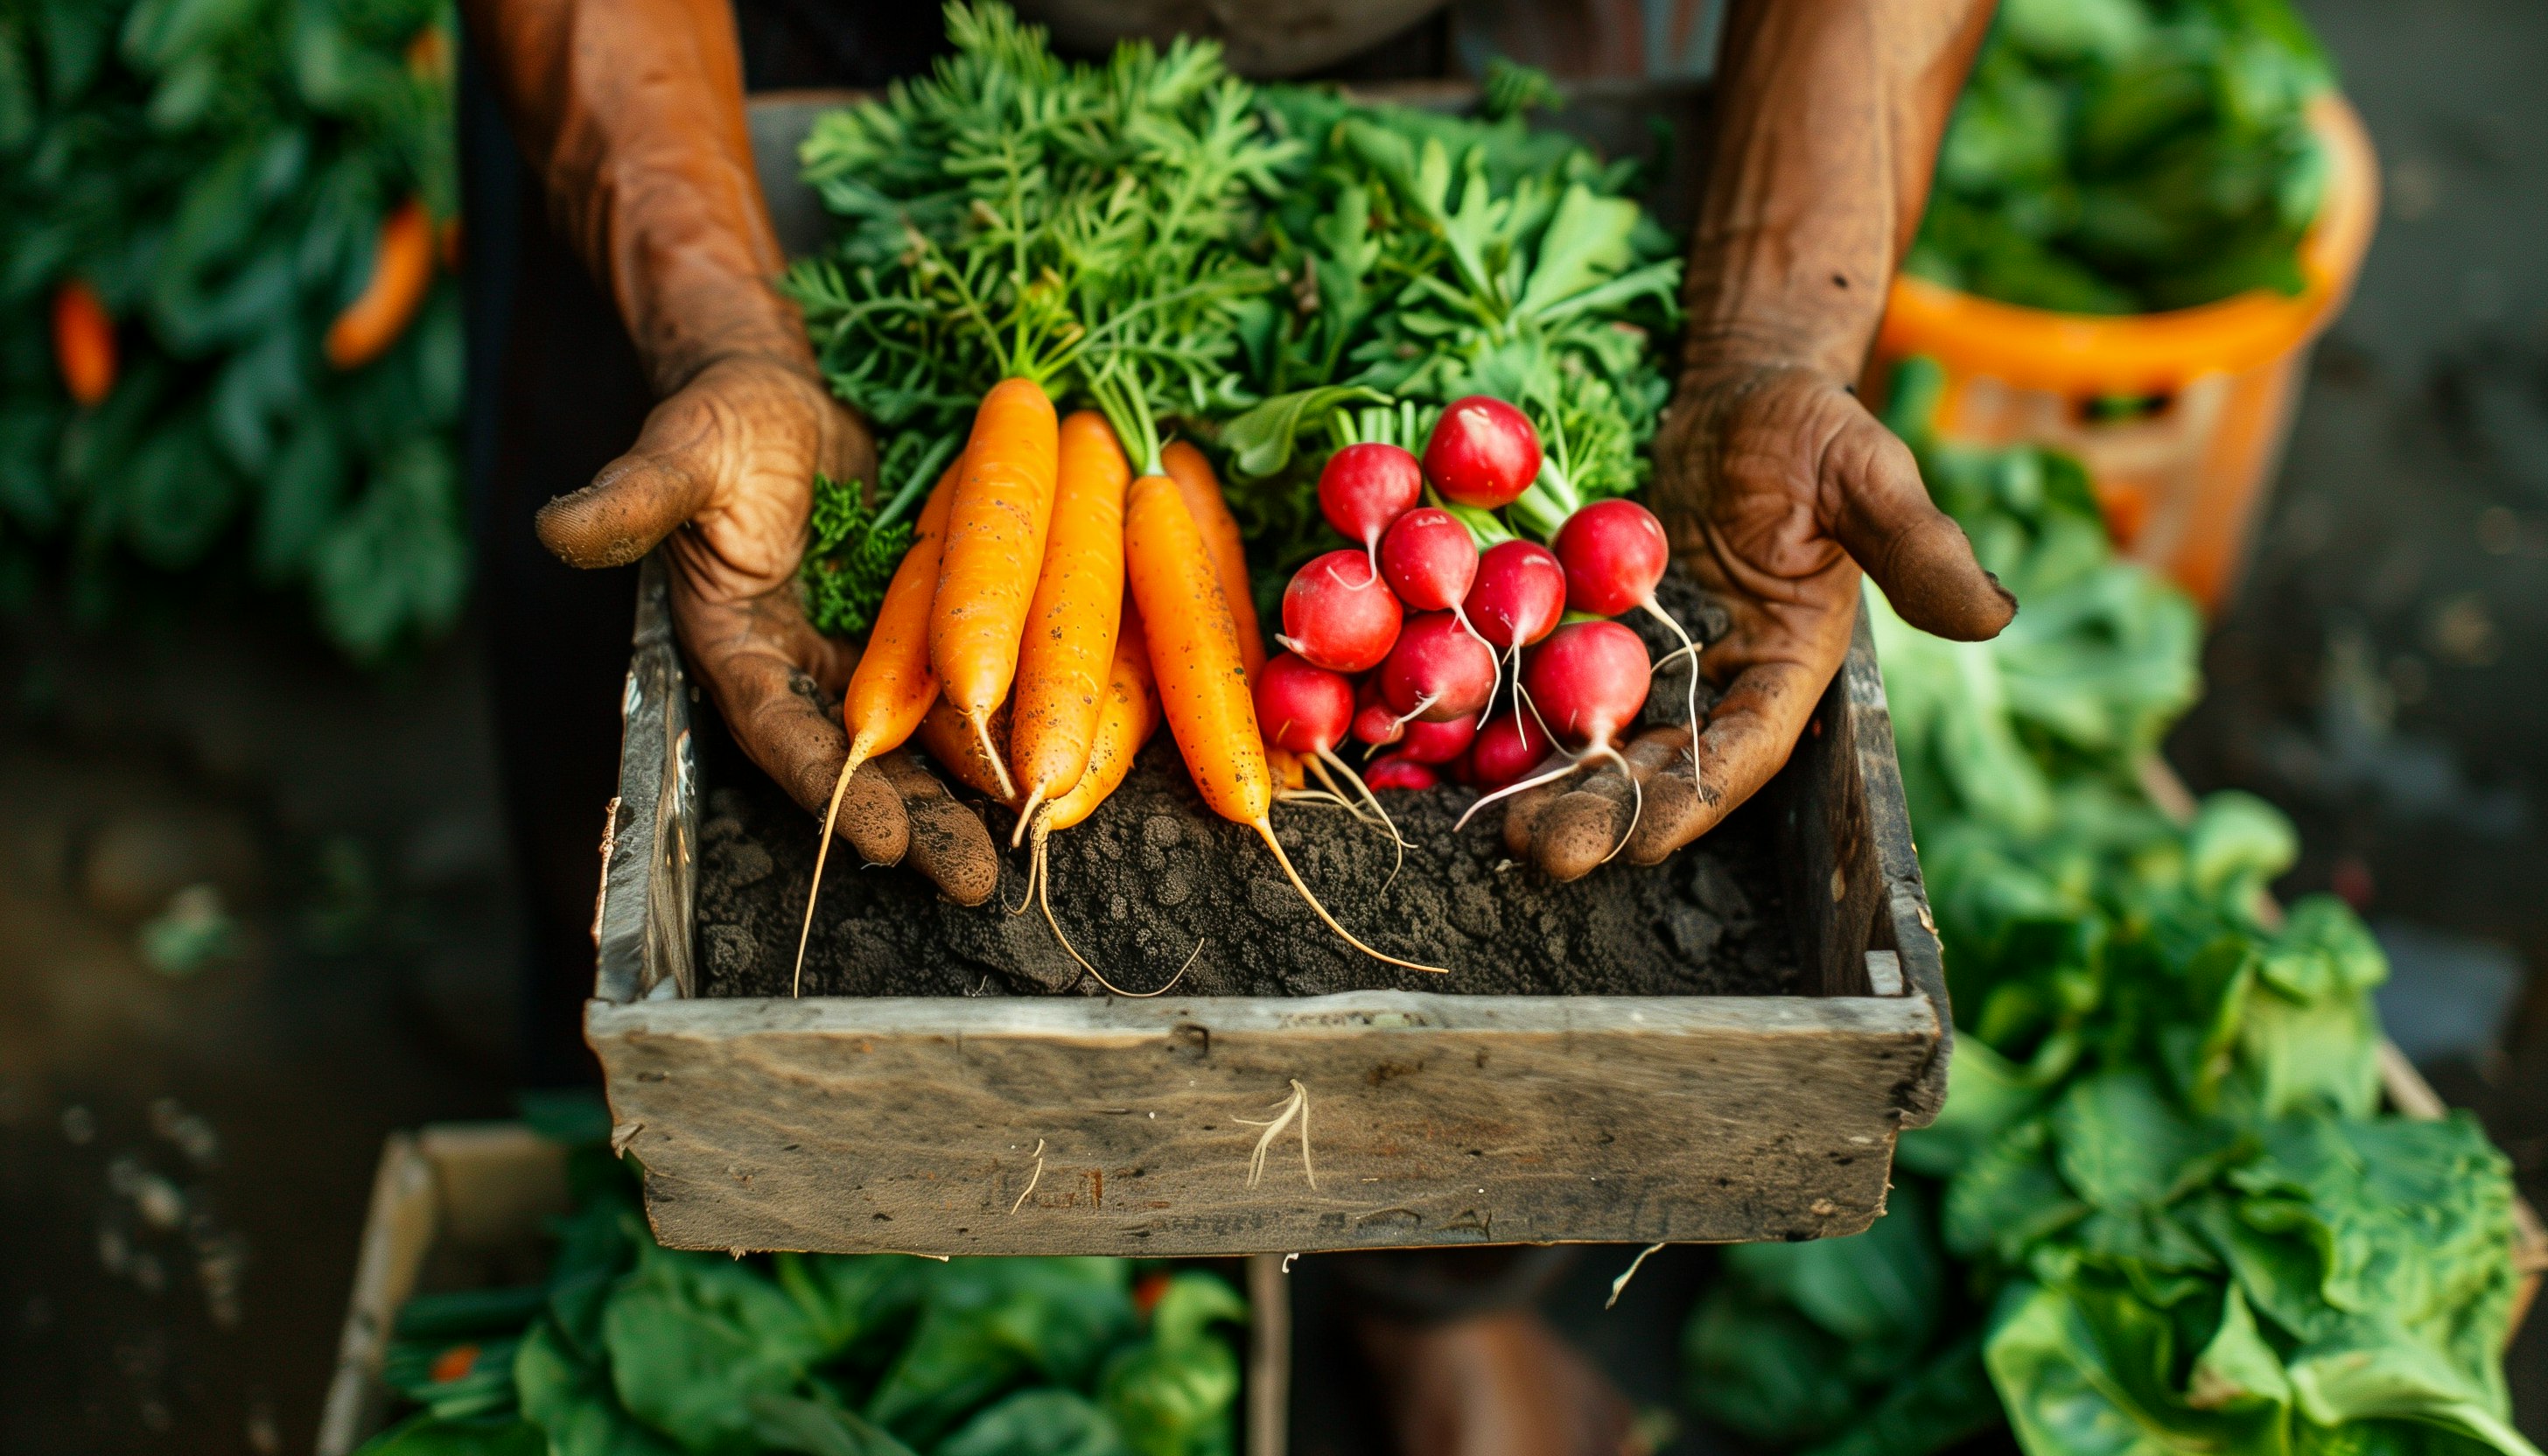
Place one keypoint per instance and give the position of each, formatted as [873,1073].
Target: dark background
[2380,676]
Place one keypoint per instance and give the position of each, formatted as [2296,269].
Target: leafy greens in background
[1256,265]
[2160,1212]
[2119,156]
[218,173]
[631,1349]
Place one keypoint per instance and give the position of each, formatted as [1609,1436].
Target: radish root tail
[1687,646]
[991,754]
[1327,757]
[1509,789]
[1637,797]
[1337,790]
[1296,1105]
[1265,831]
[822,854]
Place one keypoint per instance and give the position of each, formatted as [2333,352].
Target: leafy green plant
[632,1349]
[217,174]
[2160,1211]
[2117,156]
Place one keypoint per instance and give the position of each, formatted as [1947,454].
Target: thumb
[635,502]
[1883,517]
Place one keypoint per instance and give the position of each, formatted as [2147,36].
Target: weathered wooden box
[1023,1125]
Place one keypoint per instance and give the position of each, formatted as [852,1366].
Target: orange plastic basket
[2182,483]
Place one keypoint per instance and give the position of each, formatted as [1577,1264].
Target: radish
[1305,708]
[1482,453]
[1588,680]
[1340,618]
[1438,670]
[1366,486]
[1506,748]
[1436,743]
[1614,553]
[1301,706]
[1519,595]
[1397,771]
[1430,560]
[1373,722]
[1517,599]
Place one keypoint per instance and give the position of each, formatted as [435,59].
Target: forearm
[631,111]
[1828,118]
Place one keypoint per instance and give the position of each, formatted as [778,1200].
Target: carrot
[949,738]
[1125,723]
[401,268]
[83,342]
[994,553]
[1201,489]
[891,687]
[1202,672]
[1064,661]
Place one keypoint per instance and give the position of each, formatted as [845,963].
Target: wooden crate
[463,1205]
[1032,1125]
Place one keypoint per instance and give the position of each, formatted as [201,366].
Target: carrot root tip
[1265,831]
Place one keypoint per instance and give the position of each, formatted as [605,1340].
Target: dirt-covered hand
[1776,487]
[721,475]
[631,111]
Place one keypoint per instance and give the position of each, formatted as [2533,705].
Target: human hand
[1777,486]
[722,475]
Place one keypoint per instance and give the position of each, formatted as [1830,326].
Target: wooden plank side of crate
[1216,1126]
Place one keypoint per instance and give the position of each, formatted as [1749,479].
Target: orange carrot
[891,687]
[994,552]
[83,342]
[1201,674]
[1064,659]
[1125,722]
[1130,716]
[1201,490]
[949,738]
[401,269]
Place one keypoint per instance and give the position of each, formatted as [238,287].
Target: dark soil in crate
[1153,874]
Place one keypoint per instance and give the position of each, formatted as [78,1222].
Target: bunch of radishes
[1404,644]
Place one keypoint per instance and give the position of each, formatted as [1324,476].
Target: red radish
[1366,486]
[1376,725]
[1429,559]
[1301,706]
[1588,680]
[1517,599]
[1439,670]
[1340,618]
[1506,748]
[1519,595]
[1614,553]
[1305,708]
[1482,453]
[1436,743]
[1396,771]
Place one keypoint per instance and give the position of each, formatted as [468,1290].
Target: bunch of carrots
[1056,604]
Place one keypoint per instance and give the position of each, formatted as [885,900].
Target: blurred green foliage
[2122,156]
[217,171]
[2160,1212]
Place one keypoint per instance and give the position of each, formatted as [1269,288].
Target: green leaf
[1172,1395]
[988,1325]
[1877,1292]
[1260,441]
[692,1337]
[426,1435]
[1039,1422]
[818,1428]
[2121,1143]
[569,1398]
